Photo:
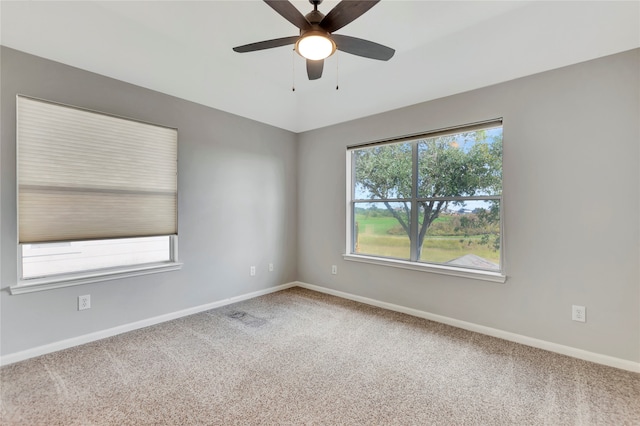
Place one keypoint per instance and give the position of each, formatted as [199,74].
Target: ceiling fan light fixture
[315,45]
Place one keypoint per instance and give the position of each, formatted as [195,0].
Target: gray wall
[250,195]
[571,194]
[237,195]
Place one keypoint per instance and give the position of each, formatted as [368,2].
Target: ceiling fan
[316,40]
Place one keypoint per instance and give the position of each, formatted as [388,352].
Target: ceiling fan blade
[360,47]
[289,12]
[314,69]
[344,13]
[267,44]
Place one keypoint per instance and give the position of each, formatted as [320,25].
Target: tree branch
[398,217]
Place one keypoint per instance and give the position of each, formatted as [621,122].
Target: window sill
[67,280]
[436,269]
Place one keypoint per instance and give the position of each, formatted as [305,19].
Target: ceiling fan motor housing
[314,17]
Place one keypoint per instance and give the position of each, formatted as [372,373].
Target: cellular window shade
[85,175]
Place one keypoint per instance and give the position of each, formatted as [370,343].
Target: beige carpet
[301,357]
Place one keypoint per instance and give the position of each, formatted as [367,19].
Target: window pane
[383,172]
[381,229]
[462,234]
[461,164]
[39,260]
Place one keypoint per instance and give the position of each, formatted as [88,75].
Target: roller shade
[85,175]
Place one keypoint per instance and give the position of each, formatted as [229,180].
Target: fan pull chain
[293,70]
[337,72]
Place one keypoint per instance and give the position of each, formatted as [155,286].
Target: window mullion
[352,212]
[414,228]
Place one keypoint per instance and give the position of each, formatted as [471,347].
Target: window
[97,195]
[430,201]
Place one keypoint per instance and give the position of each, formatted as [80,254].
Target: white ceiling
[183,48]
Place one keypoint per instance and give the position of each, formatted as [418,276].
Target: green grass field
[375,238]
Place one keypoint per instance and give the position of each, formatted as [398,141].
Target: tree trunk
[430,214]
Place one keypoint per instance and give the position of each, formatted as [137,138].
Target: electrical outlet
[84,302]
[334,269]
[578,313]
[253,271]
[271,267]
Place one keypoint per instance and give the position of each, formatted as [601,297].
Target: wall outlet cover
[578,313]
[84,302]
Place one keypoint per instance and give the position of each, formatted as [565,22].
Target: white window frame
[96,275]
[478,274]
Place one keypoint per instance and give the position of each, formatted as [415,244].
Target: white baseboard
[494,332]
[91,337]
